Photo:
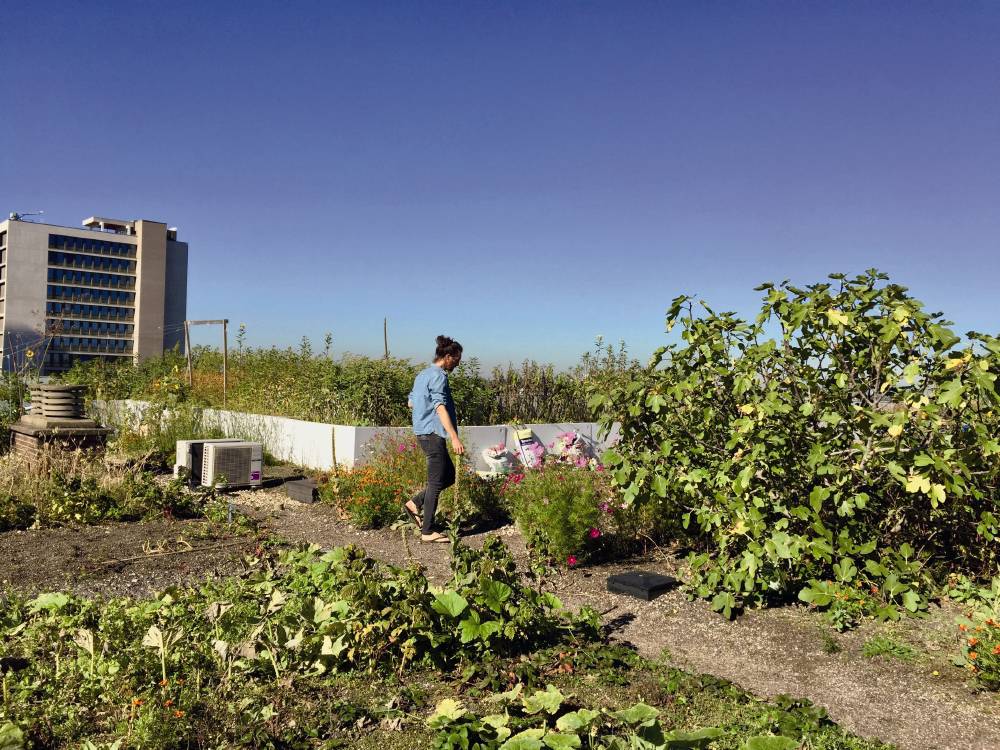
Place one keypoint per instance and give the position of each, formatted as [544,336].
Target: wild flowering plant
[565,511]
[981,651]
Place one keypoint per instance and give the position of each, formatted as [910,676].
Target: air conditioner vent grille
[231,463]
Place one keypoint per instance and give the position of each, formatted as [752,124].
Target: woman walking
[434,421]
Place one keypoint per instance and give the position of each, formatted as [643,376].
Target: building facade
[114,289]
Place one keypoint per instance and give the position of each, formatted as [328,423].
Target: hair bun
[443,340]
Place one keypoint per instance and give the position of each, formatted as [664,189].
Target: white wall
[317,445]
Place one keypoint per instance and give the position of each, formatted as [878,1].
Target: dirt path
[768,653]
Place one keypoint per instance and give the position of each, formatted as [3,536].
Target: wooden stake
[187,349]
[225,360]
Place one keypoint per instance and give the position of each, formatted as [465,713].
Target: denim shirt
[430,389]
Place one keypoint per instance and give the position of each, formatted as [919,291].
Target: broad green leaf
[548,700]
[771,743]
[937,494]
[951,393]
[836,317]
[529,739]
[449,603]
[576,720]
[638,714]
[52,602]
[691,740]
[447,711]
[11,737]
[558,741]
[153,638]
[660,485]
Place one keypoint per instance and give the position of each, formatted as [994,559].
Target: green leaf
[11,737]
[529,739]
[639,714]
[951,393]
[660,485]
[446,712]
[771,743]
[576,720]
[691,740]
[548,700]
[495,593]
[817,496]
[558,741]
[449,603]
[153,638]
[911,600]
[52,602]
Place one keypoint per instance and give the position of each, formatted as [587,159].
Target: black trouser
[440,475]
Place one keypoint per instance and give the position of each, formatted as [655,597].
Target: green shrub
[859,446]
[565,511]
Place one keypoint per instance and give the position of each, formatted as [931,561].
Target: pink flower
[598,468]
[402,447]
[594,533]
[571,560]
[605,507]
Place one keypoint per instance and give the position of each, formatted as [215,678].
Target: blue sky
[522,176]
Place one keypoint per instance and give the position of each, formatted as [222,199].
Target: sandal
[435,537]
[414,516]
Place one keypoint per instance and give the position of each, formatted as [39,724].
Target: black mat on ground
[640,584]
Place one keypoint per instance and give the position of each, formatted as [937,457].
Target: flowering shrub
[564,511]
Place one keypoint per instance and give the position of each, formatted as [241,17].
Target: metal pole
[225,360]
[187,349]
[385,335]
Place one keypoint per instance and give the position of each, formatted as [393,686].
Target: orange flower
[973,656]
[963,627]
[178,714]
[874,589]
[973,641]
[137,701]
[164,683]
[996,650]
[168,702]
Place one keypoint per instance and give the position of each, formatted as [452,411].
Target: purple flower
[605,507]
[595,533]
[571,560]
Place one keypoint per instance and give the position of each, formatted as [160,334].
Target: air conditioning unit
[190,456]
[239,464]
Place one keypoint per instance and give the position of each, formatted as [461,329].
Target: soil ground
[922,704]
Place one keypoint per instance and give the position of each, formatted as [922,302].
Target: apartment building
[115,289]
